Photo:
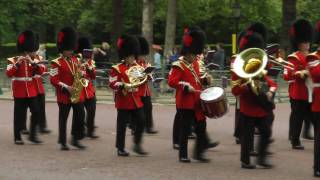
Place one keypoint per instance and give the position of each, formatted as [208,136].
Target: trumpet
[281,62]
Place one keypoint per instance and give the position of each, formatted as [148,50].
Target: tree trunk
[117,26]
[170,27]
[147,22]
[289,12]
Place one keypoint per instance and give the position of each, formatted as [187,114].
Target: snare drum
[214,102]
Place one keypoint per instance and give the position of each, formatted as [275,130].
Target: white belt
[37,76]
[291,81]
[22,79]
[315,85]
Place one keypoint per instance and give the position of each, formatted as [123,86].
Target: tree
[170,26]
[147,20]
[117,23]
[289,12]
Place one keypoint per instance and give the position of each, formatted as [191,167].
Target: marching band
[72,75]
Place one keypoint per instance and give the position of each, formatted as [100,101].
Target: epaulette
[313,55]
[56,61]
[293,55]
[177,64]
[116,67]
[12,60]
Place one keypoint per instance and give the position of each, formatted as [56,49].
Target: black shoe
[45,131]
[18,142]
[64,147]
[248,166]
[317,174]
[123,153]
[213,144]
[298,147]
[184,160]
[254,153]
[201,159]
[264,164]
[35,140]
[151,131]
[176,146]
[138,149]
[271,140]
[308,137]
[238,141]
[268,153]
[92,136]
[78,145]
[191,136]
[24,131]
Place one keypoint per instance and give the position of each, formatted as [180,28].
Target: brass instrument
[78,84]
[136,76]
[249,65]
[202,67]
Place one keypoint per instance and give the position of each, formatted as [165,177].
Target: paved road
[99,161]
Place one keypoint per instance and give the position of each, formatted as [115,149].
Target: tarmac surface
[100,161]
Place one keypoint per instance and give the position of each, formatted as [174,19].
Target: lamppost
[236,13]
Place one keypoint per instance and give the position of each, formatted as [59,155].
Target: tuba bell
[137,76]
[249,65]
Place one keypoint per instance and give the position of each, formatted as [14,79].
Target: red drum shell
[216,107]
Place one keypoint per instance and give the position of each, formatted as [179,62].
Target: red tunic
[22,81]
[90,74]
[124,99]
[37,79]
[144,89]
[314,70]
[297,85]
[183,73]
[62,73]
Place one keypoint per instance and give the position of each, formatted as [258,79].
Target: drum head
[212,93]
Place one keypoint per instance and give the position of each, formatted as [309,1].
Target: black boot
[75,142]
[34,140]
[64,147]
[123,153]
[262,162]
[138,149]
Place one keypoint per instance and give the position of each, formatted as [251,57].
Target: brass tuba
[249,65]
[78,84]
[137,77]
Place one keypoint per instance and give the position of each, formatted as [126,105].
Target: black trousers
[90,107]
[77,121]
[136,116]
[300,110]
[237,128]
[248,124]
[20,115]
[186,118]
[147,108]
[42,123]
[316,120]
[175,129]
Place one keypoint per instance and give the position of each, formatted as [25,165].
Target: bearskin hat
[193,41]
[28,41]
[67,39]
[127,46]
[260,28]
[251,40]
[317,33]
[144,46]
[301,31]
[83,43]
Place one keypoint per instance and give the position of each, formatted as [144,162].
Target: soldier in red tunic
[313,61]
[254,109]
[144,90]
[62,74]
[127,98]
[22,69]
[89,73]
[299,89]
[185,78]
